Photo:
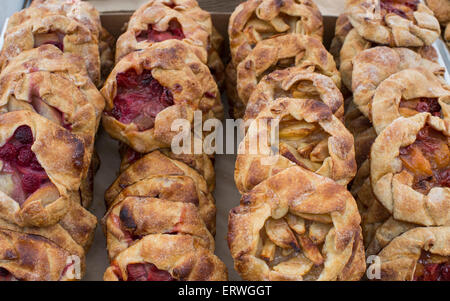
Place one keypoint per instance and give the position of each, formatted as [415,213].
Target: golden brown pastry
[342,28]
[63,32]
[148,90]
[361,129]
[200,163]
[31,257]
[256,20]
[192,11]
[154,163]
[408,93]
[34,186]
[371,67]
[441,10]
[309,135]
[411,177]
[134,217]
[157,23]
[297,225]
[421,254]
[175,188]
[49,59]
[447,35]
[295,82]
[165,257]
[282,52]
[397,23]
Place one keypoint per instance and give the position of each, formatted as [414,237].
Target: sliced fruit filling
[431,267]
[21,174]
[412,107]
[174,31]
[139,99]
[428,160]
[147,272]
[49,112]
[291,245]
[402,8]
[55,38]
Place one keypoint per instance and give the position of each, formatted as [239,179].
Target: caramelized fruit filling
[402,8]
[55,38]
[5,275]
[173,32]
[139,99]
[432,267]
[49,112]
[21,174]
[147,272]
[428,160]
[412,107]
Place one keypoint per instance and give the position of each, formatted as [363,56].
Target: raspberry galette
[165,257]
[148,90]
[159,23]
[297,225]
[411,177]
[396,23]
[256,20]
[63,32]
[34,186]
[309,135]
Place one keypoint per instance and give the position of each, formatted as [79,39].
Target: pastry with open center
[396,23]
[297,225]
[309,135]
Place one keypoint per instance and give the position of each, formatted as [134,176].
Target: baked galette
[166,257]
[149,89]
[35,186]
[309,135]
[396,23]
[297,225]
[410,169]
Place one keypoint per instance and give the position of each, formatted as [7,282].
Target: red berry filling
[5,275]
[402,8]
[21,162]
[139,99]
[432,268]
[55,38]
[173,32]
[147,272]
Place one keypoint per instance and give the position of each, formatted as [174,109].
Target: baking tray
[226,194]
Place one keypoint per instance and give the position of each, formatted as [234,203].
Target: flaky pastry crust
[180,255]
[256,20]
[279,221]
[72,37]
[178,70]
[441,10]
[159,16]
[397,23]
[372,66]
[282,52]
[309,136]
[49,203]
[401,258]
[32,257]
[136,217]
[393,181]
[392,96]
[295,82]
